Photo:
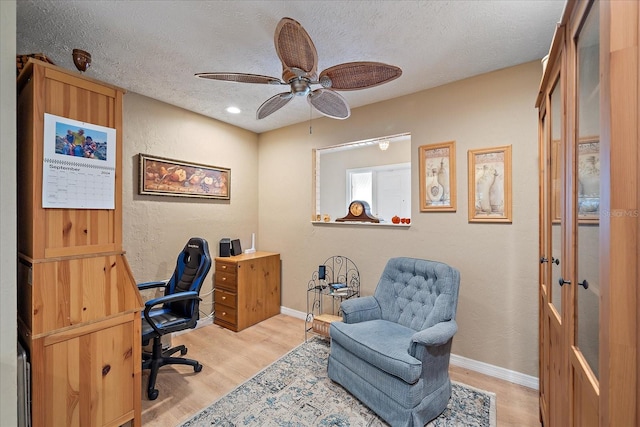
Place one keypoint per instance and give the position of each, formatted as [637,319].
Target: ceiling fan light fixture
[300,87]
[299,59]
[325,81]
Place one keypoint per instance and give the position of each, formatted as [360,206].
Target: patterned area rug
[295,391]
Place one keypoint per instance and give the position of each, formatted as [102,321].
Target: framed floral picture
[490,184]
[438,177]
[167,177]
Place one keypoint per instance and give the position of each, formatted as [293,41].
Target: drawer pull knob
[224,278]
[224,313]
[224,298]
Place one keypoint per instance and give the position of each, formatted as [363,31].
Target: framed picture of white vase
[490,184]
[588,180]
[438,177]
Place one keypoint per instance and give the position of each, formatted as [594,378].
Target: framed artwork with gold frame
[168,177]
[490,184]
[438,177]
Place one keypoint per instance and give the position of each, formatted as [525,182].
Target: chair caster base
[197,368]
[152,394]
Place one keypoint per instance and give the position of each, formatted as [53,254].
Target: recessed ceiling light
[233,110]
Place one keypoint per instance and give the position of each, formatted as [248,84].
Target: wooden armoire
[590,218]
[78,305]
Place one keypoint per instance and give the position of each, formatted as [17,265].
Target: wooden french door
[553,344]
[583,208]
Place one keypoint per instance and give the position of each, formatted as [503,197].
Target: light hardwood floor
[231,358]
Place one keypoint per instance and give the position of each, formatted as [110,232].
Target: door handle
[561,282]
[555,261]
[584,284]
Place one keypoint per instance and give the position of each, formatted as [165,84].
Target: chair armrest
[151,285]
[182,296]
[438,334]
[360,309]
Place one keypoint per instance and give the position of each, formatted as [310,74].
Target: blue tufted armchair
[392,349]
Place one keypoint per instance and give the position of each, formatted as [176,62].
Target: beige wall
[271,193]
[8,322]
[156,228]
[497,310]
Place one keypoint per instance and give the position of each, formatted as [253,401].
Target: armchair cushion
[390,355]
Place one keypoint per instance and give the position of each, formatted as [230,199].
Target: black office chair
[179,309]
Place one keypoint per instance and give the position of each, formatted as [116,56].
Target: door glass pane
[545,249]
[588,192]
[555,153]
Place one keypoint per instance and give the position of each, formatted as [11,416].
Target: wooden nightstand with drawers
[247,289]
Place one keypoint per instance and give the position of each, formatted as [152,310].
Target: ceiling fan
[299,70]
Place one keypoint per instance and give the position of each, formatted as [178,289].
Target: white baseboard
[495,371]
[293,313]
[463,362]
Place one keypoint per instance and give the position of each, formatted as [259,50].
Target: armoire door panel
[558,402]
[585,399]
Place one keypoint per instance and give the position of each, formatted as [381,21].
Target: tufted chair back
[417,293]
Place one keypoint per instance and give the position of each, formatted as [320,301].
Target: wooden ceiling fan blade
[273,104]
[241,78]
[295,48]
[358,75]
[329,103]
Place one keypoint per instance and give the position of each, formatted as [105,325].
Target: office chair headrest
[197,245]
[194,249]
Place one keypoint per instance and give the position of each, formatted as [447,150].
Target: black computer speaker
[225,247]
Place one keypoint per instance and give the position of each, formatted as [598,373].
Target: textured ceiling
[155,47]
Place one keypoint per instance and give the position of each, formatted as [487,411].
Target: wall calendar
[79,166]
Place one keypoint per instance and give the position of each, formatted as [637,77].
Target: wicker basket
[21,60]
[322,322]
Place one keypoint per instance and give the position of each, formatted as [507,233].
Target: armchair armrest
[438,334]
[360,309]
[150,285]
[182,296]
